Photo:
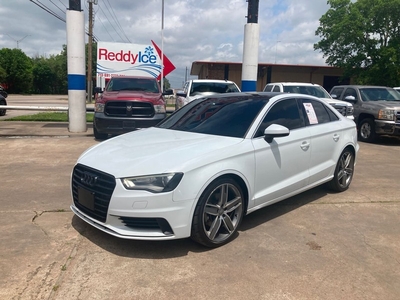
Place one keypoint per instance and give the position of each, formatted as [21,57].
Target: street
[317,245]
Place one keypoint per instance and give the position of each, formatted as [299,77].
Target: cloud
[193,29]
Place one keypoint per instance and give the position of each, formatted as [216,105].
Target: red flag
[168,65]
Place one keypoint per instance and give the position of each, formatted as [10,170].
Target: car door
[281,166]
[326,133]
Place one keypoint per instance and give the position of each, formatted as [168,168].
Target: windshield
[226,116]
[132,84]
[314,90]
[213,87]
[377,94]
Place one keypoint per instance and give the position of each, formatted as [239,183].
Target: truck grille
[341,109]
[398,117]
[129,109]
[91,191]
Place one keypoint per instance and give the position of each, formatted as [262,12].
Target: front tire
[218,213]
[367,131]
[343,172]
[3,111]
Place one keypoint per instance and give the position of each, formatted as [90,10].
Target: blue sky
[194,30]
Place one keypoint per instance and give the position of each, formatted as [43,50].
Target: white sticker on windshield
[312,117]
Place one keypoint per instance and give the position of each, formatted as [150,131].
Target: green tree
[43,76]
[363,38]
[166,83]
[18,69]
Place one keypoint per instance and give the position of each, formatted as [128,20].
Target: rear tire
[366,132]
[343,172]
[218,213]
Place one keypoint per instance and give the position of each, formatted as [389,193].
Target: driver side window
[286,113]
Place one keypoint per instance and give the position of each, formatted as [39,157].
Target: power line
[45,8]
[118,24]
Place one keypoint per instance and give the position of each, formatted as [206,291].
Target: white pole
[76,71]
[162,46]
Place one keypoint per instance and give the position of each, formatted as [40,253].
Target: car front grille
[97,185]
[398,117]
[341,109]
[129,109]
[147,223]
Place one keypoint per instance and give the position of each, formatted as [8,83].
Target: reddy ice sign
[116,59]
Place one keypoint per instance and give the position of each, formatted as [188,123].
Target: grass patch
[48,117]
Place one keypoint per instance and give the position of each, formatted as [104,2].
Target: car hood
[383,104]
[129,95]
[155,151]
[336,101]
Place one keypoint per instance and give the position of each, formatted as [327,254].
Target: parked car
[397,88]
[197,88]
[3,96]
[216,159]
[128,103]
[376,109]
[3,92]
[345,108]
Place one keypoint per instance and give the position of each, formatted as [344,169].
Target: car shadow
[181,247]
[386,141]
[283,207]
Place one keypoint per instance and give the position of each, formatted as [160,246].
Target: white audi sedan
[198,172]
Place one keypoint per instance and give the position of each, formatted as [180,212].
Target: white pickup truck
[198,88]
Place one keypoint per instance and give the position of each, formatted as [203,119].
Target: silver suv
[345,108]
[376,109]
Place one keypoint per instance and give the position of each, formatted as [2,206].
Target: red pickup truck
[126,104]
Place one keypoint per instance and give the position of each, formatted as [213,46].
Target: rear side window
[268,88]
[316,112]
[276,88]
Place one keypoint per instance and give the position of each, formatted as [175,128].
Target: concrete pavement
[317,245]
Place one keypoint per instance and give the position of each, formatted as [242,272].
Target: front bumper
[141,215]
[118,125]
[387,127]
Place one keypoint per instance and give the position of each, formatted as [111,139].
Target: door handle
[305,145]
[336,137]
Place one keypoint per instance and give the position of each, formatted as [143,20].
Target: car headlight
[386,114]
[349,111]
[99,107]
[160,183]
[159,109]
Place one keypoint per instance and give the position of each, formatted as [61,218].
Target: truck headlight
[159,109]
[99,107]
[386,114]
[153,183]
[350,111]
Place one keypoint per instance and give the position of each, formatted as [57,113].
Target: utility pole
[250,48]
[76,67]
[18,41]
[90,55]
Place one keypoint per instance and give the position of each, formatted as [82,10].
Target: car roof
[295,83]
[361,86]
[212,80]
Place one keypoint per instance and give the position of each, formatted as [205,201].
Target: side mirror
[181,94]
[275,131]
[350,99]
[168,92]
[334,96]
[98,90]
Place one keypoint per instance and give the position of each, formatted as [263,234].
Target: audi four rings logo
[89,179]
[129,107]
